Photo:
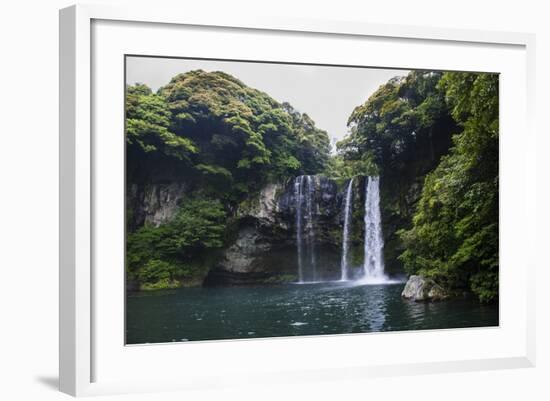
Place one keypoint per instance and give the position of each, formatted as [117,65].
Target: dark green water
[288,310]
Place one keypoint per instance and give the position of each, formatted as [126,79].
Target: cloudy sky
[327,94]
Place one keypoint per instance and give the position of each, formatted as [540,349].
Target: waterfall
[304,192]
[374,243]
[298,196]
[311,228]
[345,234]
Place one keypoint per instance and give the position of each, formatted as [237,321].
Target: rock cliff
[264,246]
[153,204]
[261,240]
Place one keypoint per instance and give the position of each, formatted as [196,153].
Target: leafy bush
[156,270]
[171,250]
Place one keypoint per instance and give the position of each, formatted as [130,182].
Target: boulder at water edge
[419,289]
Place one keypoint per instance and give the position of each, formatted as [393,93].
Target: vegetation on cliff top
[225,140]
[454,238]
[211,125]
[399,133]
[433,138]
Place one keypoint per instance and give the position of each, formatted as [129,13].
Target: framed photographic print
[260,191]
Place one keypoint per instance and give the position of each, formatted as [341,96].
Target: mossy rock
[422,289]
[162,284]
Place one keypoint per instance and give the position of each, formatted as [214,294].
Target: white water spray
[345,236]
[311,228]
[373,266]
[304,192]
[298,196]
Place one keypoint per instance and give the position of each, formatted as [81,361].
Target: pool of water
[191,314]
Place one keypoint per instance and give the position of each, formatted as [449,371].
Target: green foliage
[218,177]
[161,284]
[174,249]
[403,128]
[147,124]
[340,169]
[433,138]
[454,237]
[225,141]
[235,137]
[156,270]
[243,130]
[400,133]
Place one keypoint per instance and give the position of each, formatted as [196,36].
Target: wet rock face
[265,245]
[265,207]
[242,255]
[326,200]
[326,209]
[154,204]
[420,289]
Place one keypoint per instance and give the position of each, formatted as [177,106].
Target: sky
[327,94]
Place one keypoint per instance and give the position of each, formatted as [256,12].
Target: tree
[455,233]
[433,138]
[223,140]
[400,133]
[147,124]
[211,131]
[404,126]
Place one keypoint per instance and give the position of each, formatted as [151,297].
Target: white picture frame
[82,157]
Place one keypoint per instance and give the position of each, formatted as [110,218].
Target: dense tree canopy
[455,233]
[433,138]
[236,137]
[148,125]
[222,138]
[402,130]
[399,133]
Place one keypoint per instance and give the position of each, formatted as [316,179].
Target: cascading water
[374,244]
[298,196]
[311,228]
[304,198]
[345,235]
[304,191]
